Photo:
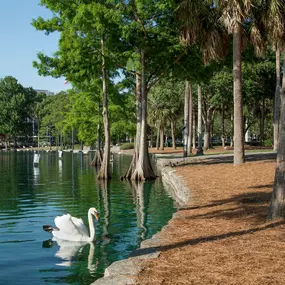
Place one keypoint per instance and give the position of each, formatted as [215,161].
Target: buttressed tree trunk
[143,169]
[104,169]
[277,205]
[238,107]
[276,102]
[138,127]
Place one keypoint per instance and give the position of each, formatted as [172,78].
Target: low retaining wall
[123,272]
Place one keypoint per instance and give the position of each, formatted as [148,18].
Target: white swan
[73,229]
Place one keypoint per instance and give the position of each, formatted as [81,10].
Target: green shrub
[127,146]
[268,142]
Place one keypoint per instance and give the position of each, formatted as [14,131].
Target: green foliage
[166,102]
[268,142]
[16,105]
[127,146]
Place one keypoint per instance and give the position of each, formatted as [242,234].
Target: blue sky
[20,43]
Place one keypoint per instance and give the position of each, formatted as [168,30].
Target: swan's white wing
[67,227]
[79,223]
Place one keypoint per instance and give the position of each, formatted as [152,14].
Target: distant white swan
[73,229]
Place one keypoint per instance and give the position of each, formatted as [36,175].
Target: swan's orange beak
[96,215]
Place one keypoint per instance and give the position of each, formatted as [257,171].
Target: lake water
[32,196]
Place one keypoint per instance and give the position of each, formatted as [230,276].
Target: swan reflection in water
[69,250]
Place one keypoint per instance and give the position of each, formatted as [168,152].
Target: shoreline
[146,262]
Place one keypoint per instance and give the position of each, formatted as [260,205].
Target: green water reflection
[32,196]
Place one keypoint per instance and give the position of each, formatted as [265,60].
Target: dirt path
[222,236]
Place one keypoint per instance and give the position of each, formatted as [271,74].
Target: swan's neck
[91,227]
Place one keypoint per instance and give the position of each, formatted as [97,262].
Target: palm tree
[202,26]
[276,32]
[275,22]
[277,204]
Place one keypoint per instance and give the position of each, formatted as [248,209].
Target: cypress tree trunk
[104,169]
[238,107]
[277,205]
[97,160]
[276,102]
[138,127]
[143,169]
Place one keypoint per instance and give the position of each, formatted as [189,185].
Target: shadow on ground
[210,238]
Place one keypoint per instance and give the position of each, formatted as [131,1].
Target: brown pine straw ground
[222,236]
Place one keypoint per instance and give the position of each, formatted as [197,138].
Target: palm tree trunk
[199,127]
[194,131]
[161,136]
[157,137]
[186,117]
[172,124]
[276,102]
[223,126]
[277,205]
[104,169]
[262,119]
[207,133]
[190,121]
[238,107]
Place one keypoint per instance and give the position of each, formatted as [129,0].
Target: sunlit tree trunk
[199,128]
[97,160]
[238,107]
[157,136]
[277,205]
[38,133]
[151,138]
[173,129]
[104,169]
[209,116]
[194,131]
[223,126]
[138,127]
[161,136]
[232,134]
[276,102]
[143,169]
[262,119]
[186,117]
[190,121]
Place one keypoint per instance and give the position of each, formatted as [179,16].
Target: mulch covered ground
[222,236]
